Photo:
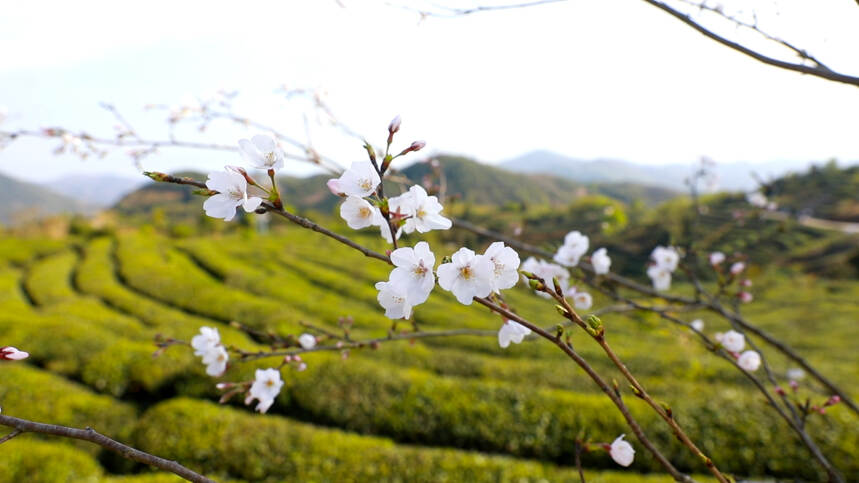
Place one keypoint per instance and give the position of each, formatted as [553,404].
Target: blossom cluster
[664,262]
[208,345]
[734,342]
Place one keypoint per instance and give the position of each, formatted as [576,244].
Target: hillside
[96,190]
[732,176]
[827,192]
[22,202]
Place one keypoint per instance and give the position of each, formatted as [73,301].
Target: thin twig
[91,435]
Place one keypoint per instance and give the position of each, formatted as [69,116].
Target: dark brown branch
[816,71]
[91,435]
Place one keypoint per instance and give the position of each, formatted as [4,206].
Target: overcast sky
[584,78]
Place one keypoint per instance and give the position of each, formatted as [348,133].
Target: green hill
[22,202]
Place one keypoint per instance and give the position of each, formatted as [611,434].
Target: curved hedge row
[224,441]
[48,280]
[31,460]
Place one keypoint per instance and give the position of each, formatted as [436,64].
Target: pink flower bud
[779,391]
[10,353]
[334,187]
[794,385]
[737,268]
[835,399]
[745,282]
[394,126]
[417,145]
[301,367]
[745,297]
[716,258]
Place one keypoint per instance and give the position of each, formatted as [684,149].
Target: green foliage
[31,460]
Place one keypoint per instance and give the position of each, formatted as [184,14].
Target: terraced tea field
[446,409]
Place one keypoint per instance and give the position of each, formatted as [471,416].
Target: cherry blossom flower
[203,343]
[665,257]
[601,261]
[745,297]
[467,275]
[737,268]
[749,360]
[660,276]
[334,186]
[9,353]
[575,245]
[621,451]
[361,179]
[358,213]
[265,388]
[756,199]
[413,271]
[716,258]
[733,341]
[424,211]
[512,331]
[215,360]
[697,324]
[505,263]
[582,300]
[307,341]
[795,374]
[232,191]
[394,300]
[261,152]
[394,126]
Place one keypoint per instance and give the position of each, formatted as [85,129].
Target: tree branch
[91,435]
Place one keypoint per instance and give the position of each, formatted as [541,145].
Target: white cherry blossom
[467,276]
[414,271]
[733,341]
[621,451]
[361,179]
[697,324]
[261,152]
[505,262]
[601,261]
[358,212]
[232,191]
[512,331]
[394,300]
[749,360]
[215,360]
[582,300]
[307,341]
[665,257]
[737,268]
[717,258]
[9,353]
[425,212]
[575,245]
[660,276]
[205,341]
[265,388]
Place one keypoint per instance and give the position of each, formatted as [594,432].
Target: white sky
[585,78]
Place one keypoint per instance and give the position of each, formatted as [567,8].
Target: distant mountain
[732,176]
[21,202]
[96,190]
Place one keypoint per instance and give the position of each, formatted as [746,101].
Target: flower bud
[334,186]
[10,353]
[737,268]
[394,126]
[745,297]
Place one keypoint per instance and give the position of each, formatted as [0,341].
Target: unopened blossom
[601,261]
[505,263]
[466,276]
[665,257]
[394,299]
[9,353]
[261,152]
[733,341]
[582,300]
[265,388]
[512,331]
[205,341]
[737,268]
[697,324]
[575,245]
[425,212]
[716,258]
[621,451]
[232,191]
[215,360]
[749,360]
[358,212]
[361,179]
[414,271]
[745,297]
[394,126]
[307,341]
[660,276]
[334,186]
